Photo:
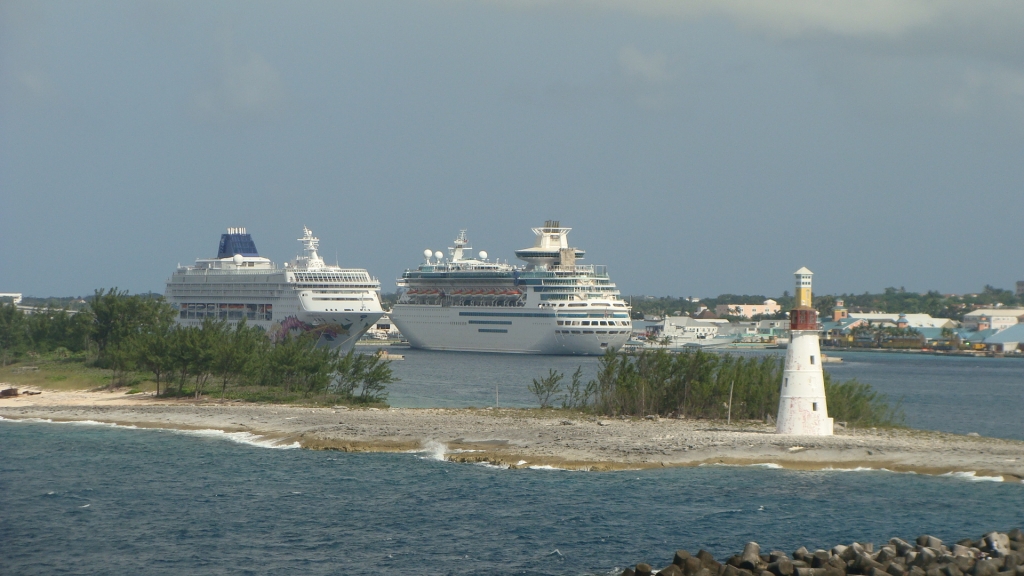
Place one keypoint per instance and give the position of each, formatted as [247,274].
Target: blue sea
[95,499]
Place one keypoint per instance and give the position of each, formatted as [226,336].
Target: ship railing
[594,269]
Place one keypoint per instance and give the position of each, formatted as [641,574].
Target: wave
[972,476]
[247,438]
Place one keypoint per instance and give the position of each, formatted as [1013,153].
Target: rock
[885,554]
[902,546]
[810,571]
[781,567]
[730,570]
[670,570]
[603,423]
[928,541]
[964,563]
[691,566]
[951,570]
[961,550]
[820,558]
[1012,560]
[895,569]
[642,569]
[8,392]
[916,571]
[705,557]
[997,543]
[801,554]
[863,564]
[1016,534]
[838,549]
[776,555]
[751,557]
[834,571]
[988,567]
[628,572]
[734,560]
[680,558]
[876,571]
[925,557]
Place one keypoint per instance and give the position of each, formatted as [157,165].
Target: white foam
[434,450]
[973,476]
[495,466]
[521,462]
[547,467]
[73,422]
[239,437]
[771,465]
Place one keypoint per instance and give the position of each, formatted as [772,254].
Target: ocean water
[93,499]
[951,394]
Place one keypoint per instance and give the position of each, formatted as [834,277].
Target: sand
[523,438]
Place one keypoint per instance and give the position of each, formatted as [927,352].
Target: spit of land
[518,438]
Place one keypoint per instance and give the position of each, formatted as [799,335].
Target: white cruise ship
[305,295]
[550,305]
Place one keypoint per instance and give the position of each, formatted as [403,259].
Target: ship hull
[502,330]
[280,310]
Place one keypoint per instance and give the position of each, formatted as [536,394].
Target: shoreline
[518,438]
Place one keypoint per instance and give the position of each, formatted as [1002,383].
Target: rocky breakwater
[994,554]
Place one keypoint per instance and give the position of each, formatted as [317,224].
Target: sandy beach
[523,438]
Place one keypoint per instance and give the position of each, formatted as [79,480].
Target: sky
[695,148]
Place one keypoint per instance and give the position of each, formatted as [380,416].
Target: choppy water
[952,394]
[78,499]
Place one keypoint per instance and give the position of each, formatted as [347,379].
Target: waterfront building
[1006,341]
[802,407]
[994,318]
[766,308]
[902,320]
[684,328]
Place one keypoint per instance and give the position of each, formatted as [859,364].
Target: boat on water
[548,305]
[305,295]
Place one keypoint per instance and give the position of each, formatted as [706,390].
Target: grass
[54,373]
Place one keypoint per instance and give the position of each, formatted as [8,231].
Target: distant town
[988,322]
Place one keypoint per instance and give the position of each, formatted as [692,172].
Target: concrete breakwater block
[993,554]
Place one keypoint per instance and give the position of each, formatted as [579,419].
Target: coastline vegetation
[891,300]
[126,340]
[697,384]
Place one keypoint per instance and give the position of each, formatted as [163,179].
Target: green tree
[546,387]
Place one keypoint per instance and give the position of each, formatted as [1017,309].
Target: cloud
[246,84]
[649,68]
[647,75]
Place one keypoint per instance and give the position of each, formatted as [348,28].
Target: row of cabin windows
[592,323]
[226,311]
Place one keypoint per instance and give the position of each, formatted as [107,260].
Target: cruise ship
[339,304]
[549,305]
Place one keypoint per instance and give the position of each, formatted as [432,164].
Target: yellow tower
[803,288]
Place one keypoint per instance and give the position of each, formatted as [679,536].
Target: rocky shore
[994,554]
[530,438]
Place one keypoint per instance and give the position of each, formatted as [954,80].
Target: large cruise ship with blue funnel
[549,305]
[306,295]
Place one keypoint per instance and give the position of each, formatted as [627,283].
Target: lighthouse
[802,407]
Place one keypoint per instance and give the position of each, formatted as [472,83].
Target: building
[683,328]
[1006,341]
[994,318]
[767,308]
[880,320]
[802,408]
[14,296]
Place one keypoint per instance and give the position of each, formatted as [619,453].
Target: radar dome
[428,253]
[238,259]
[438,254]
[483,255]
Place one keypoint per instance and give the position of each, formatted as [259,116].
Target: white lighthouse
[802,407]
